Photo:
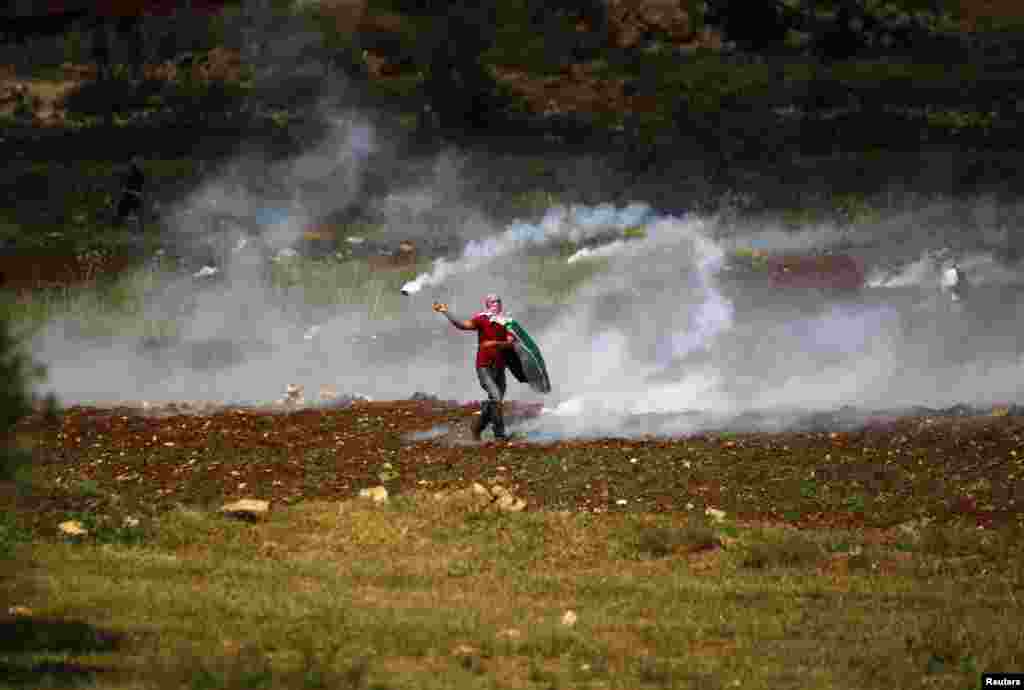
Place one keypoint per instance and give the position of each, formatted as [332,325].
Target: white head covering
[493,308]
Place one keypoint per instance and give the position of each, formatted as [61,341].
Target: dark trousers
[492,380]
[130,204]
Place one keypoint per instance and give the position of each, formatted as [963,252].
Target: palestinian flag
[525,361]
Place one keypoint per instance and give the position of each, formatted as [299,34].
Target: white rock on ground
[293,395]
[247,508]
[465,650]
[510,503]
[496,497]
[715,514]
[569,619]
[72,528]
[378,494]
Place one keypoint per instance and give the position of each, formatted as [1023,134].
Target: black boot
[499,422]
[482,421]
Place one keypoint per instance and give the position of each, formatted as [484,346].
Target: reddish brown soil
[962,470]
[27,270]
[828,271]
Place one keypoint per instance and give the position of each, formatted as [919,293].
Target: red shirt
[489,330]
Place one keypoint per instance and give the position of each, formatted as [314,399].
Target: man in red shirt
[494,340]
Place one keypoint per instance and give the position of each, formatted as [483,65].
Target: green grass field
[422,593]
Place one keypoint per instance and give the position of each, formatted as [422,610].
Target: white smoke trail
[920,272]
[575,223]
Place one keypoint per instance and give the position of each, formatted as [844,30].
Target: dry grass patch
[418,592]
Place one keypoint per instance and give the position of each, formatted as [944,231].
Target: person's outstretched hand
[440,307]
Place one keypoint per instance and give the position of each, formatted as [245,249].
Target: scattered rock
[72,528]
[510,503]
[293,396]
[497,498]
[469,657]
[247,509]
[510,634]
[424,397]
[569,619]
[403,257]
[271,548]
[912,528]
[465,650]
[330,397]
[285,254]
[378,494]
[715,514]
[130,522]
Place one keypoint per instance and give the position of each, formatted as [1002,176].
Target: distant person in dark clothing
[133,184]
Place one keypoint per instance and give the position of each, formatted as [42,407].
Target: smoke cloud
[644,325]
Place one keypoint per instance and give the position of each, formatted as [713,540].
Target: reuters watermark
[1002,680]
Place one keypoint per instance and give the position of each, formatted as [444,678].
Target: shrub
[785,550]
[17,372]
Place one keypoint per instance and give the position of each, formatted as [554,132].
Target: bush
[17,372]
[781,550]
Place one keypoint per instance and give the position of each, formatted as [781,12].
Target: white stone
[510,634]
[72,528]
[378,494]
[205,271]
[510,503]
[569,619]
[715,514]
[464,650]
[247,508]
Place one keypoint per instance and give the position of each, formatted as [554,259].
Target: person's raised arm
[461,325]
